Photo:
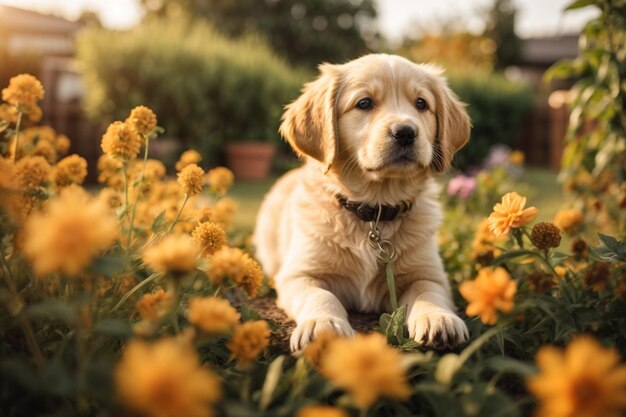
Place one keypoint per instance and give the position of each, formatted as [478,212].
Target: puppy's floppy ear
[309,124]
[453,126]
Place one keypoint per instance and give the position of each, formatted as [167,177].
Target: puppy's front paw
[308,330]
[437,329]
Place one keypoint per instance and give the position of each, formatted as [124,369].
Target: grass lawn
[545,193]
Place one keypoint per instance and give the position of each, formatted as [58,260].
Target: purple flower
[462,186]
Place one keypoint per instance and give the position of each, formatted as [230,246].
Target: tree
[307,32]
[501,29]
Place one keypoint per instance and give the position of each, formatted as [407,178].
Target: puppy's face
[380,116]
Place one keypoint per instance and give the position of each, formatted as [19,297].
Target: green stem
[31,340]
[143,171]
[135,289]
[178,214]
[391,283]
[17,135]
[125,177]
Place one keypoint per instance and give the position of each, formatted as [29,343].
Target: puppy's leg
[430,314]
[314,309]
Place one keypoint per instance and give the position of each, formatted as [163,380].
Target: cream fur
[315,250]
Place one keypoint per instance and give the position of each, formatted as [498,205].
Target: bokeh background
[218,72]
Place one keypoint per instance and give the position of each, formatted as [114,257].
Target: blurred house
[543,137]
[44,45]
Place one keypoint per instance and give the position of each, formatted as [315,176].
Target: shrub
[497,107]
[206,88]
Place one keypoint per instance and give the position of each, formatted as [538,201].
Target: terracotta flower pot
[250,160]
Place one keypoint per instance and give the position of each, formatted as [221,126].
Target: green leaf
[392,325]
[113,327]
[248,314]
[506,364]
[611,249]
[578,4]
[159,222]
[51,308]
[108,265]
[272,378]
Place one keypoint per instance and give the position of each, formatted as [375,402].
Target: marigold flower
[121,141]
[24,90]
[517,157]
[209,236]
[142,119]
[248,340]
[320,411]
[62,144]
[187,158]
[212,314]
[484,240]
[8,113]
[46,149]
[586,380]
[367,368]
[560,271]
[545,235]
[7,174]
[493,289]
[597,276]
[190,179]
[316,350]
[32,172]
[568,220]
[238,266]
[175,254]
[109,171]
[112,198]
[511,214]
[155,305]
[165,379]
[70,234]
[220,179]
[70,170]
[224,211]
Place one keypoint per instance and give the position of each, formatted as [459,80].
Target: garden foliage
[133,300]
[206,88]
[594,159]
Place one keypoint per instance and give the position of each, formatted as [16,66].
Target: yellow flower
[517,157]
[212,314]
[24,90]
[223,212]
[142,119]
[568,220]
[187,158]
[493,289]
[112,198]
[46,149]
[321,411]
[62,144]
[8,113]
[510,214]
[220,179]
[109,172]
[587,380]
[367,368]
[165,379]
[175,254]
[238,266]
[560,271]
[155,305]
[248,340]
[72,231]
[316,350]
[209,236]
[32,172]
[70,170]
[190,179]
[121,141]
[7,174]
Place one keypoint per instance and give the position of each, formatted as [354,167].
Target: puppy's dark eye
[421,104]
[365,104]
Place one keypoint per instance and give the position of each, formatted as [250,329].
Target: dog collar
[379,212]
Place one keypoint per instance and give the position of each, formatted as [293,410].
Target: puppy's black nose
[404,135]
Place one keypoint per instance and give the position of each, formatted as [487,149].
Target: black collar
[369,213]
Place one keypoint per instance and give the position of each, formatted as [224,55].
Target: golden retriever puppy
[373,132]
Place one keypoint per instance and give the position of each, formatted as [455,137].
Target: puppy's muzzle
[403,135]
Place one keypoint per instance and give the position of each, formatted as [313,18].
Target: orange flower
[587,380]
[511,214]
[493,289]
[248,340]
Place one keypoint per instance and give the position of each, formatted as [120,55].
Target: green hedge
[207,89]
[497,107]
